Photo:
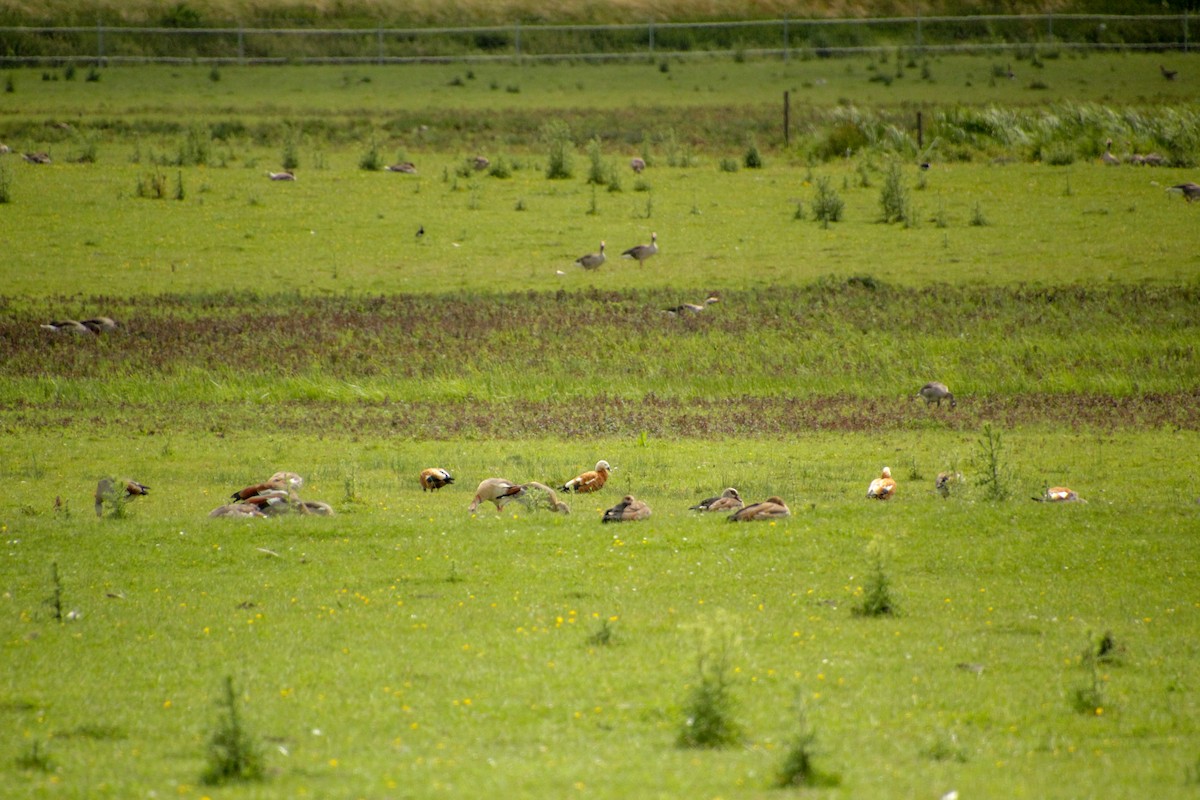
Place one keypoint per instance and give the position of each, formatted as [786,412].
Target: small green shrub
[893,198]
[35,759]
[153,186]
[232,752]
[752,159]
[5,184]
[877,600]
[603,635]
[597,174]
[371,160]
[93,75]
[729,165]
[709,710]
[978,219]
[556,136]
[827,206]
[799,767]
[214,75]
[989,459]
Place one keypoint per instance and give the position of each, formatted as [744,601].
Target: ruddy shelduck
[728,500]
[883,487]
[497,491]
[1060,494]
[630,509]
[771,508]
[285,481]
[592,481]
[112,492]
[434,478]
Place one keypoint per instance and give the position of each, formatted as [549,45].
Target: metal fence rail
[777,37]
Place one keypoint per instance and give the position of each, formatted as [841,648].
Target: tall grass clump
[877,599]
[893,198]
[752,159]
[827,205]
[708,712]
[799,767]
[371,161]
[597,174]
[989,458]
[232,752]
[556,136]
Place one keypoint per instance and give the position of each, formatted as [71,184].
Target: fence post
[651,29]
[517,39]
[379,44]
[787,112]
[1050,27]
[99,41]
[241,45]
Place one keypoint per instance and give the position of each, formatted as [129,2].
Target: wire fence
[785,38]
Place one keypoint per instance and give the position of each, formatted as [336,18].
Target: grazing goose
[936,392]
[694,308]
[591,260]
[434,478]
[539,495]
[36,158]
[1148,160]
[1189,190]
[406,167]
[643,251]
[280,481]
[1169,74]
[237,511]
[628,510]
[67,326]
[637,164]
[113,492]
[281,176]
[944,481]
[883,487]
[497,491]
[1059,494]
[100,324]
[1107,157]
[771,508]
[728,500]
[589,481]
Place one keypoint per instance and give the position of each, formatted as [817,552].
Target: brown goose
[591,260]
[592,481]
[113,492]
[539,495]
[728,500]
[629,509]
[495,490]
[434,478]
[936,392]
[642,252]
[771,508]
[883,487]
[1189,190]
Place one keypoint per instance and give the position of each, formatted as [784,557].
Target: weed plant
[556,137]
[827,205]
[894,201]
[877,599]
[36,758]
[708,712]
[989,459]
[6,190]
[799,768]
[233,754]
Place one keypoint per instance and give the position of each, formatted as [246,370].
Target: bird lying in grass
[883,487]
[693,308]
[771,508]
[592,481]
[1059,494]
[629,509]
[279,481]
[728,500]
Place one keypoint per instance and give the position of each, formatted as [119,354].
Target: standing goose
[113,492]
[1107,157]
[728,500]
[629,509]
[592,481]
[1189,190]
[694,308]
[591,260]
[771,508]
[883,487]
[642,251]
[434,478]
[539,495]
[936,392]
[497,491]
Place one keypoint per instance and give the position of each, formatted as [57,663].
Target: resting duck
[629,509]
[280,481]
[771,508]
[728,500]
[1059,494]
[100,324]
[495,490]
[281,176]
[883,487]
[434,478]
[694,308]
[407,167]
[592,481]
[67,326]
[236,510]
[116,491]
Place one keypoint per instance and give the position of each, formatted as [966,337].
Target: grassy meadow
[407,648]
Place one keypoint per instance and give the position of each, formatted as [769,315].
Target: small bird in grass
[1189,190]
[592,481]
[100,324]
[694,308]
[641,252]
[406,167]
[1059,494]
[420,231]
[435,478]
[1169,74]
[629,509]
[771,508]
[936,392]
[281,176]
[945,480]
[591,260]
[113,492]
[728,500]
[497,491]
[883,487]
[637,164]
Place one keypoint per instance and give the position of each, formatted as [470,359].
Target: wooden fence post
[787,113]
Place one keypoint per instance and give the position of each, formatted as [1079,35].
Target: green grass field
[406,648]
